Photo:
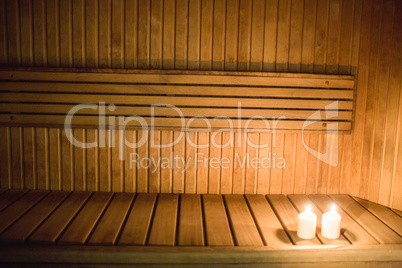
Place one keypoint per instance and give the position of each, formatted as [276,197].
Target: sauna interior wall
[358,37]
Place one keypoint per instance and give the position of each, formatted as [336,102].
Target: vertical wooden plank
[276,180]
[142,170]
[323,168]
[79,161]
[66,52]
[264,172]
[163,229]
[252,163]
[144,21]
[156,34]
[282,42]
[130,167]
[105,34]
[42,158]
[334,176]
[167,161]
[372,89]
[78,33]
[194,34]
[168,34]
[29,158]
[269,226]
[334,32]
[217,228]
[26,25]
[296,36]
[116,162]
[202,162]
[215,163]
[346,41]
[349,228]
[52,33]
[16,158]
[346,164]
[357,25]
[395,199]
[181,34]
[51,229]
[13,33]
[363,60]
[289,155]
[67,160]
[92,157]
[130,34]
[154,162]
[104,160]
[118,34]
[257,36]
[5,175]
[179,165]
[3,34]
[191,231]
[309,28]
[21,230]
[321,36]
[243,53]
[313,165]
[383,76]
[190,182]
[239,165]
[136,228]
[227,163]
[91,33]
[218,46]
[82,225]
[207,13]
[39,29]
[109,225]
[287,214]
[245,231]
[54,159]
[232,35]
[301,201]
[270,35]
[300,165]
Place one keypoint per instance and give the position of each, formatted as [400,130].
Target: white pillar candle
[331,224]
[306,224]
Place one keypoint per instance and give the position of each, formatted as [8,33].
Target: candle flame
[333,208]
[308,208]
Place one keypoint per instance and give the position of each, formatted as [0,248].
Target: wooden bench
[184,100]
[113,228]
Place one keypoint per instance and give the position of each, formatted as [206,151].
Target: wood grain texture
[216,223]
[50,230]
[360,37]
[82,225]
[191,230]
[136,229]
[163,228]
[349,227]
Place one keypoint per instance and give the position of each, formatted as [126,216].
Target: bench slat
[191,231]
[135,230]
[51,229]
[349,227]
[216,222]
[109,225]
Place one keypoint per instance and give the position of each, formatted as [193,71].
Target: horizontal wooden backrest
[180,100]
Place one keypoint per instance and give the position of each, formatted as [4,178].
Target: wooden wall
[359,37]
